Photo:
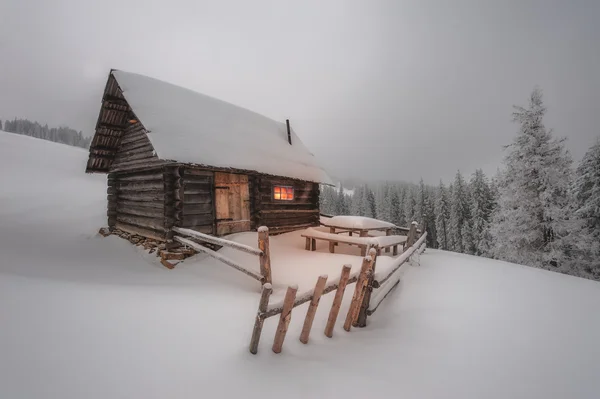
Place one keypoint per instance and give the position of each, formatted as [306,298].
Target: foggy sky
[376,89]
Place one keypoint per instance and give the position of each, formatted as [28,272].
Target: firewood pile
[168,258]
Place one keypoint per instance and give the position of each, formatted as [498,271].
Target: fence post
[285,318]
[362,315]
[359,292]
[312,308]
[337,301]
[265,258]
[267,289]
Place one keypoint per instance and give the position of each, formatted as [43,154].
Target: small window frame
[288,189]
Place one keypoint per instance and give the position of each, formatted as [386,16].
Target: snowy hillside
[89,317]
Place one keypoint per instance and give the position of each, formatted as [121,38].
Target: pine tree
[0,124]
[481,209]
[460,216]
[587,205]
[531,225]
[395,210]
[370,203]
[341,204]
[410,205]
[442,220]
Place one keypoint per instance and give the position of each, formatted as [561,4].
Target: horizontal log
[287,229]
[198,191]
[216,255]
[157,235]
[283,205]
[289,211]
[287,222]
[139,211]
[132,137]
[189,209]
[157,204]
[197,172]
[197,220]
[379,280]
[377,300]
[136,165]
[208,229]
[138,176]
[197,199]
[197,185]
[134,156]
[141,197]
[156,224]
[145,185]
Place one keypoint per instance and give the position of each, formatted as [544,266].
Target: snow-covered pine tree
[327,200]
[460,216]
[0,124]
[410,204]
[587,205]
[341,203]
[401,215]
[371,210]
[531,225]
[357,207]
[481,209]
[442,221]
[395,210]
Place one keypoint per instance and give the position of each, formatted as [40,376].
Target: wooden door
[232,203]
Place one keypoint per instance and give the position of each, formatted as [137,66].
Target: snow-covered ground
[83,316]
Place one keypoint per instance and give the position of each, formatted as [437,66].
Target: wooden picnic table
[362,232]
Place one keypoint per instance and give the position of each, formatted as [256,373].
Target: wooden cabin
[175,157]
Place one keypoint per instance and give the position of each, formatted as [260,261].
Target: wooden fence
[366,281]
[263,253]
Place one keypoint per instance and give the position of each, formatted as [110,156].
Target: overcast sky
[376,89]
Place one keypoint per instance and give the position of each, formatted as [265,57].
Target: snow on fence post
[312,308]
[285,318]
[265,258]
[359,292]
[267,289]
[362,315]
[337,301]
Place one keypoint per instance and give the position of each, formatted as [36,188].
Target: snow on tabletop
[358,222]
[91,317]
[187,126]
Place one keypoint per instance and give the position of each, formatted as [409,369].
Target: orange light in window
[283,193]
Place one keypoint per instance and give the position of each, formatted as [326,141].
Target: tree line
[63,134]
[538,210]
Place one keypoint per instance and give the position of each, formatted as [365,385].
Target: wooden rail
[262,251]
[199,248]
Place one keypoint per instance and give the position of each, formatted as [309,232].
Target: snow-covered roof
[190,127]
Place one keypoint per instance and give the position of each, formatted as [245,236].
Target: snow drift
[90,317]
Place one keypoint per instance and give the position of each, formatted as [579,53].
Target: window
[283,193]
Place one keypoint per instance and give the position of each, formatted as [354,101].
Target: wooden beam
[285,318]
[337,301]
[266,292]
[312,308]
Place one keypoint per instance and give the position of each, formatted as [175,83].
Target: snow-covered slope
[88,317]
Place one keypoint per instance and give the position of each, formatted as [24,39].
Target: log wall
[198,212]
[136,202]
[283,216]
[135,150]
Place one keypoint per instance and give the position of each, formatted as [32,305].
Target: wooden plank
[312,308]
[265,255]
[151,175]
[197,209]
[337,301]
[222,203]
[196,220]
[289,212]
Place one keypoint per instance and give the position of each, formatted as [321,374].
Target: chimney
[287,122]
